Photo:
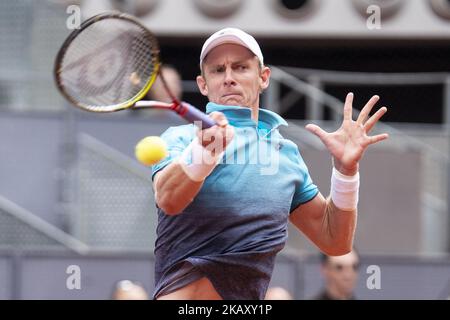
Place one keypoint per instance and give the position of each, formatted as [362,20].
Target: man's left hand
[348,144]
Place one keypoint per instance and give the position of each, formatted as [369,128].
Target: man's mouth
[230,94]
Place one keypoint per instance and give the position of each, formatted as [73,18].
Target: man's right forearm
[174,189]
[177,184]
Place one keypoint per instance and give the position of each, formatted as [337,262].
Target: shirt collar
[242,116]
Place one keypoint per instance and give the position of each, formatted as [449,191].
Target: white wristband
[198,162]
[344,190]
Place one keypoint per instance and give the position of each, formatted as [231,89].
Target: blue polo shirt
[237,223]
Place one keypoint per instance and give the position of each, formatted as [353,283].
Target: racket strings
[88,59]
[108,64]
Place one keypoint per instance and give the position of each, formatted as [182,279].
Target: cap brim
[222,40]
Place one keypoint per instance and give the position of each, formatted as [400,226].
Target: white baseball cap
[231,35]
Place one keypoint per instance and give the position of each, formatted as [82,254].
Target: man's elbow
[337,250]
[171,210]
[168,206]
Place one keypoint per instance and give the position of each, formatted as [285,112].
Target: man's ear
[264,78]
[201,83]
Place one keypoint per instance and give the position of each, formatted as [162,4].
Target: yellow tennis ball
[150,150]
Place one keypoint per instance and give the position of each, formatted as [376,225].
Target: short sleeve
[176,139]
[306,190]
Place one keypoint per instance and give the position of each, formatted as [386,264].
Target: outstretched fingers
[348,106]
[378,138]
[318,131]
[364,114]
[374,119]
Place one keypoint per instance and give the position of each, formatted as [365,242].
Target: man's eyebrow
[242,61]
[237,62]
[218,65]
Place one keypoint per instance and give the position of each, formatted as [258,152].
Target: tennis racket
[110,63]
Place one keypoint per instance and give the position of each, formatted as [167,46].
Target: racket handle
[192,114]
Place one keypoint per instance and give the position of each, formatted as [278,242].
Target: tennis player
[221,222]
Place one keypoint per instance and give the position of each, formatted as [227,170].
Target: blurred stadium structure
[71,192]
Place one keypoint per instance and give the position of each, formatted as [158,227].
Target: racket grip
[194,115]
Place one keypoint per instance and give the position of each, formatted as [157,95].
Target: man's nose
[229,78]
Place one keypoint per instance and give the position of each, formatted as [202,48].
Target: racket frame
[184,109]
[141,94]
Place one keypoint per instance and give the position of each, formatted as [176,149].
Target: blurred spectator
[278,293]
[159,93]
[129,290]
[341,275]
[173,80]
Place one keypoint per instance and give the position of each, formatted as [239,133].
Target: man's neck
[255,113]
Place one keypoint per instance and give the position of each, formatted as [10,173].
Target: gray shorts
[179,278]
